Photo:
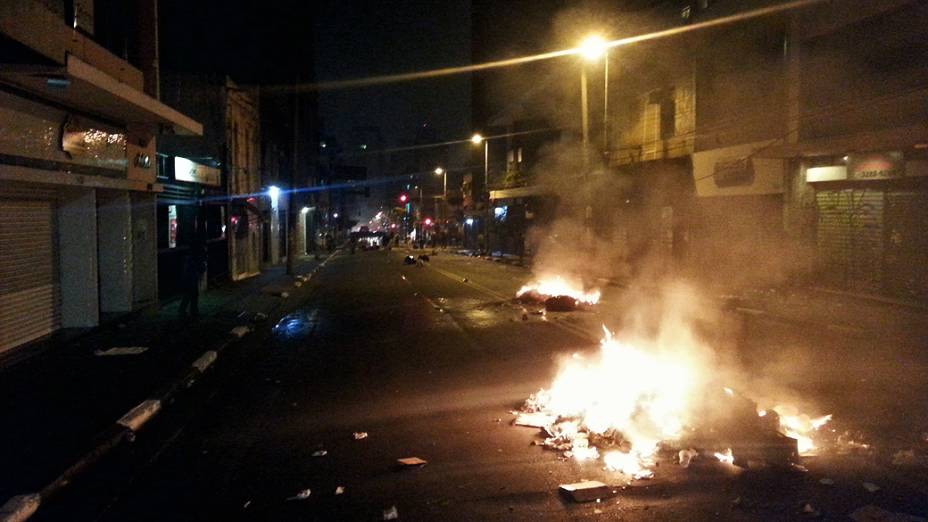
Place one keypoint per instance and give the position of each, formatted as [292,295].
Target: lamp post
[477,139]
[444,173]
[591,49]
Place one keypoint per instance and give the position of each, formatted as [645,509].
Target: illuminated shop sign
[186,170]
[870,166]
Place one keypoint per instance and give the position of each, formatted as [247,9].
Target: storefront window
[172,226]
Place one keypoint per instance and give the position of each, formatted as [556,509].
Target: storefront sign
[186,170]
[733,172]
[739,170]
[863,167]
[831,173]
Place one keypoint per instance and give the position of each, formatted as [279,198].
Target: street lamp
[444,173]
[477,139]
[592,48]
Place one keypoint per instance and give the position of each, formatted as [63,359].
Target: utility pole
[291,199]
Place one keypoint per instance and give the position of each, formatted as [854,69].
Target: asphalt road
[430,365]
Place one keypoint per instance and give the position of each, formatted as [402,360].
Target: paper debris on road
[826,482]
[411,462]
[359,435]
[586,491]
[121,350]
[909,458]
[807,509]
[302,495]
[871,513]
[686,457]
[320,453]
[871,487]
[240,331]
[339,490]
[391,514]
[535,420]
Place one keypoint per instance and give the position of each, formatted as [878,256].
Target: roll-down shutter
[850,238]
[29,296]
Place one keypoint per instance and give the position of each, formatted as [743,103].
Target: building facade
[219,196]
[78,239]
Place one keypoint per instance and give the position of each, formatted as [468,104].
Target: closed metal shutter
[29,295]
[850,238]
[906,258]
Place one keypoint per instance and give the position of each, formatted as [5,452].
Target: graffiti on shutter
[850,238]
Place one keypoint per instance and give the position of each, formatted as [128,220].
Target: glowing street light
[592,48]
[274,193]
[476,139]
[444,174]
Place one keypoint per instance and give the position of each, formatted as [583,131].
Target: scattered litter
[909,458]
[799,467]
[320,453]
[807,509]
[391,514]
[260,316]
[339,490]
[464,280]
[411,462]
[535,420]
[871,513]
[302,495]
[409,260]
[871,487]
[597,511]
[247,503]
[121,350]
[826,482]
[240,331]
[284,295]
[686,457]
[585,491]
[297,284]
[359,435]
[737,502]
[561,303]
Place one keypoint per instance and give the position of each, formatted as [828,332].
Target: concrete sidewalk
[60,398]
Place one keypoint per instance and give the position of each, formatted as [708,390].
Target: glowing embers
[633,403]
[558,294]
[625,401]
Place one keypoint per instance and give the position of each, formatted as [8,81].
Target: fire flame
[641,395]
[630,398]
[800,427]
[557,286]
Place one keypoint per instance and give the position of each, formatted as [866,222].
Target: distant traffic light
[403,198]
[428,222]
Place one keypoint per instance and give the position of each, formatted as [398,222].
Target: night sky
[282,41]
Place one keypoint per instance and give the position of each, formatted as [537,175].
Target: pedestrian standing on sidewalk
[192,271]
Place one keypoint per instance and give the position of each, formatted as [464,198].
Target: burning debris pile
[632,404]
[558,294]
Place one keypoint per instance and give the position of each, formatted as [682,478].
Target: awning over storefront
[520,192]
[83,86]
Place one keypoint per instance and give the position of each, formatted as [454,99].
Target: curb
[21,507]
